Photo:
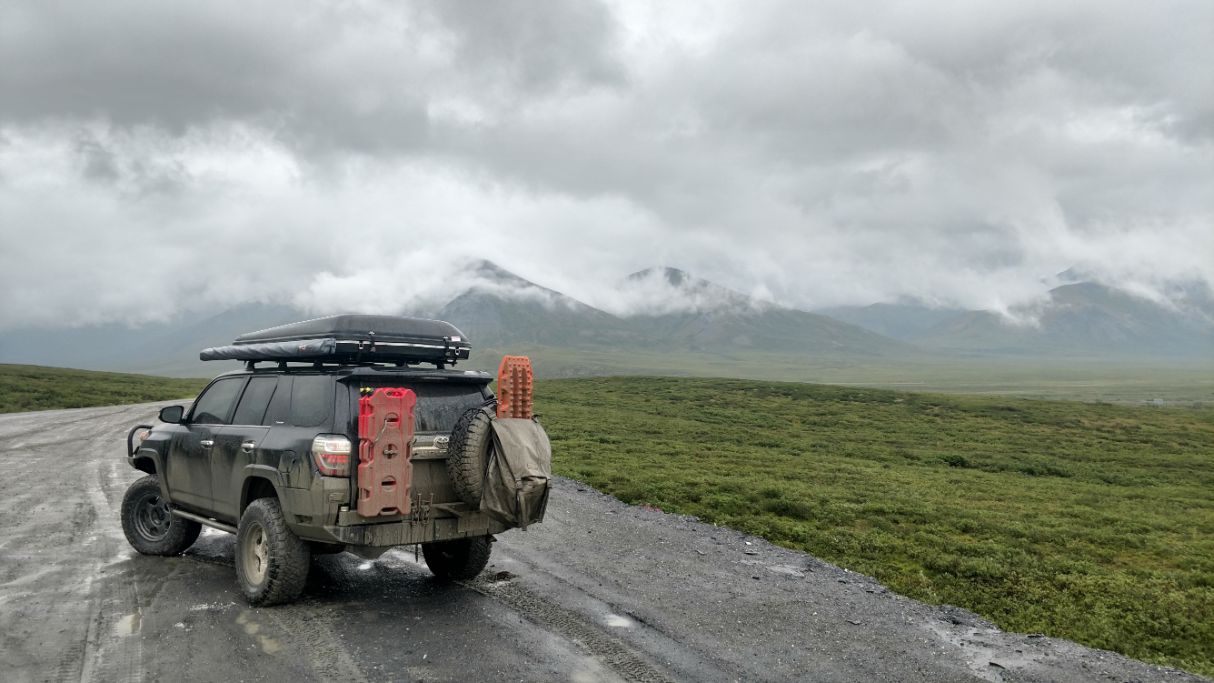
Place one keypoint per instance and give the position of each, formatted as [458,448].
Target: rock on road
[600,591]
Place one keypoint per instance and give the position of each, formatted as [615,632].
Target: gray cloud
[840,153]
[520,48]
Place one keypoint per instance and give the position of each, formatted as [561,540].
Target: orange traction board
[514,387]
[385,438]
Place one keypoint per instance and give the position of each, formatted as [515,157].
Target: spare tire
[468,453]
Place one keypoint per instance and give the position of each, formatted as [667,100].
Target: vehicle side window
[256,398]
[215,404]
[280,404]
[311,400]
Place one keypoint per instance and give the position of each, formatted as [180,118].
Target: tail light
[331,453]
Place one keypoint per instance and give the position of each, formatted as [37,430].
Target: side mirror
[172,414]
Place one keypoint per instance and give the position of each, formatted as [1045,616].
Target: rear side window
[215,404]
[311,401]
[252,407]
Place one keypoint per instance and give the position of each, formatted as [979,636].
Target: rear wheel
[150,526]
[459,559]
[271,562]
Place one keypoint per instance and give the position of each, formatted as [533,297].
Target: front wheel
[150,526]
[460,559]
[271,562]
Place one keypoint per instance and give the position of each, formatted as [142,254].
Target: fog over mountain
[497,310]
[160,159]
[681,323]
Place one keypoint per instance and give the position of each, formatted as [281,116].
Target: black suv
[273,455]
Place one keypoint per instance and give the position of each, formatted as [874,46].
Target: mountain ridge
[671,311]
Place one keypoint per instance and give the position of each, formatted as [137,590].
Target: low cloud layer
[157,159]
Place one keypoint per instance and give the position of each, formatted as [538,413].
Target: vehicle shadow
[344,577]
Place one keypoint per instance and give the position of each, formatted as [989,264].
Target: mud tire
[458,560]
[271,562]
[468,451]
[148,525]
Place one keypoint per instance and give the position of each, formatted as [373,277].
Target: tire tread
[290,557]
[182,532]
[460,559]
[466,453]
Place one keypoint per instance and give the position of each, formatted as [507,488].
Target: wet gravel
[600,591]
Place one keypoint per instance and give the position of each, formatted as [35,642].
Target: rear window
[311,401]
[439,405]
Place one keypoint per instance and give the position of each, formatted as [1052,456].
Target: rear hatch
[441,398]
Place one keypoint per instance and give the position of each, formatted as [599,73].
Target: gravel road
[600,591]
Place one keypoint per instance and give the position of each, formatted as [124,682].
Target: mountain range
[1078,318]
[666,314]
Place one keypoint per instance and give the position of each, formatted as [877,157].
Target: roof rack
[350,339]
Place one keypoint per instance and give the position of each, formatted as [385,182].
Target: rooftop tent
[350,339]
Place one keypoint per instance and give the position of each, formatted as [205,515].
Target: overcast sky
[161,157]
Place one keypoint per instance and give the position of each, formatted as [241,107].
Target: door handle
[206,443]
[248,446]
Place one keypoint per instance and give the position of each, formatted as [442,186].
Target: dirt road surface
[600,591]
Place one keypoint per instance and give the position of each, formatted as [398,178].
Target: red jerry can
[385,438]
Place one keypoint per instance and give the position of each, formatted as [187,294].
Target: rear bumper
[408,532]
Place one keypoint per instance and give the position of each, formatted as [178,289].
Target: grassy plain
[1087,521]
[33,387]
[1130,381]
